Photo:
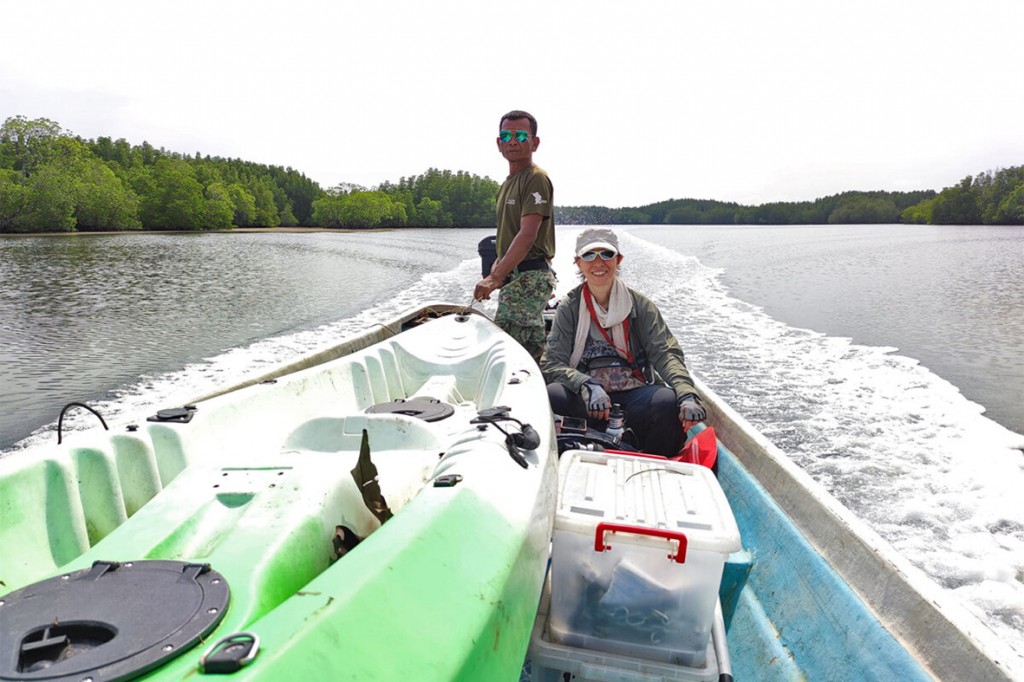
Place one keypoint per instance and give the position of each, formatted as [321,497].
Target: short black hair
[514,114]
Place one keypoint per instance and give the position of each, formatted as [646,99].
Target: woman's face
[599,272]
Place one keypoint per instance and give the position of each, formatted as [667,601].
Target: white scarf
[620,304]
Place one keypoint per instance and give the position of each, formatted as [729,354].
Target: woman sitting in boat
[604,343]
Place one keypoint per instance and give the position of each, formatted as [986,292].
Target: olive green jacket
[647,332]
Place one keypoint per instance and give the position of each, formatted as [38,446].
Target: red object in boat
[701,449]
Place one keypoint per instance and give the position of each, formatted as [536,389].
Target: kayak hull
[261,482]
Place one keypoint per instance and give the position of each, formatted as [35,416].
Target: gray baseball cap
[596,238]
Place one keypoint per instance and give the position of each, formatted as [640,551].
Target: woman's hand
[691,411]
[599,405]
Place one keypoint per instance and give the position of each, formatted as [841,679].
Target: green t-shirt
[528,191]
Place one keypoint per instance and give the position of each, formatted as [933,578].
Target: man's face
[514,150]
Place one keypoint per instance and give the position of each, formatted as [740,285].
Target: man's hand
[599,405]
[529,226]
[485,287]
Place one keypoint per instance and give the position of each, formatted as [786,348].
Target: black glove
[690,409]
[595,397]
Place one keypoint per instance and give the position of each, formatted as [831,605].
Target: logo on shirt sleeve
[538,199]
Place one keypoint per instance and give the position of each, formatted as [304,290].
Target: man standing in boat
[525,237]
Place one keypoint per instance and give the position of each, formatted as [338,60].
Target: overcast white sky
[736,100]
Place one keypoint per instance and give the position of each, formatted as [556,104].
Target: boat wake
[899,446]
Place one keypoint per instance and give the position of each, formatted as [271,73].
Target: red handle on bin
[602,528]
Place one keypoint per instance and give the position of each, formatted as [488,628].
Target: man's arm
[529,226]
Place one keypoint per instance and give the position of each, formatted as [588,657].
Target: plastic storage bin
[637,558]
[549,661]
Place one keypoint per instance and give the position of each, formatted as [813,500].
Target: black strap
[531,264]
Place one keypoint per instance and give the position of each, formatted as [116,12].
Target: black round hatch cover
[178,415]
[109,622]
[427,409]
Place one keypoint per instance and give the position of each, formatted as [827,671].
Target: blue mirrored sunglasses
[606,254]
[521,135]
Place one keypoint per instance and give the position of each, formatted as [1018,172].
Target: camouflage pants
[521,307]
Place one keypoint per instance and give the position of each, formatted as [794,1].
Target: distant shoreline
[80,233]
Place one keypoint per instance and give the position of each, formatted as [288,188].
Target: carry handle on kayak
[602,528]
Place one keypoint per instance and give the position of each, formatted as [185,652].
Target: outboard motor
[488,250]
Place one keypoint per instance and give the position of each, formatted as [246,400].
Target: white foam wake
[896,444]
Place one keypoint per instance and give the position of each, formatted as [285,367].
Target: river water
[887,361]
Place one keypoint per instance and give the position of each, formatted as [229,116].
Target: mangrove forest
[54,181]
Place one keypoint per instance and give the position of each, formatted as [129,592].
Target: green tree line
[992,198]
[437,198]
[51,180]
[845,208]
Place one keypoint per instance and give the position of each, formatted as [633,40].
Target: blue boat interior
[788,614]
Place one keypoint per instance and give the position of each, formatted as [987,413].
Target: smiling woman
[605,345]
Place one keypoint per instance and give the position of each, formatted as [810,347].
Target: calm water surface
[83,316]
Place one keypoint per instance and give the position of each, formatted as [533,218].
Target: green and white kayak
[379,516]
